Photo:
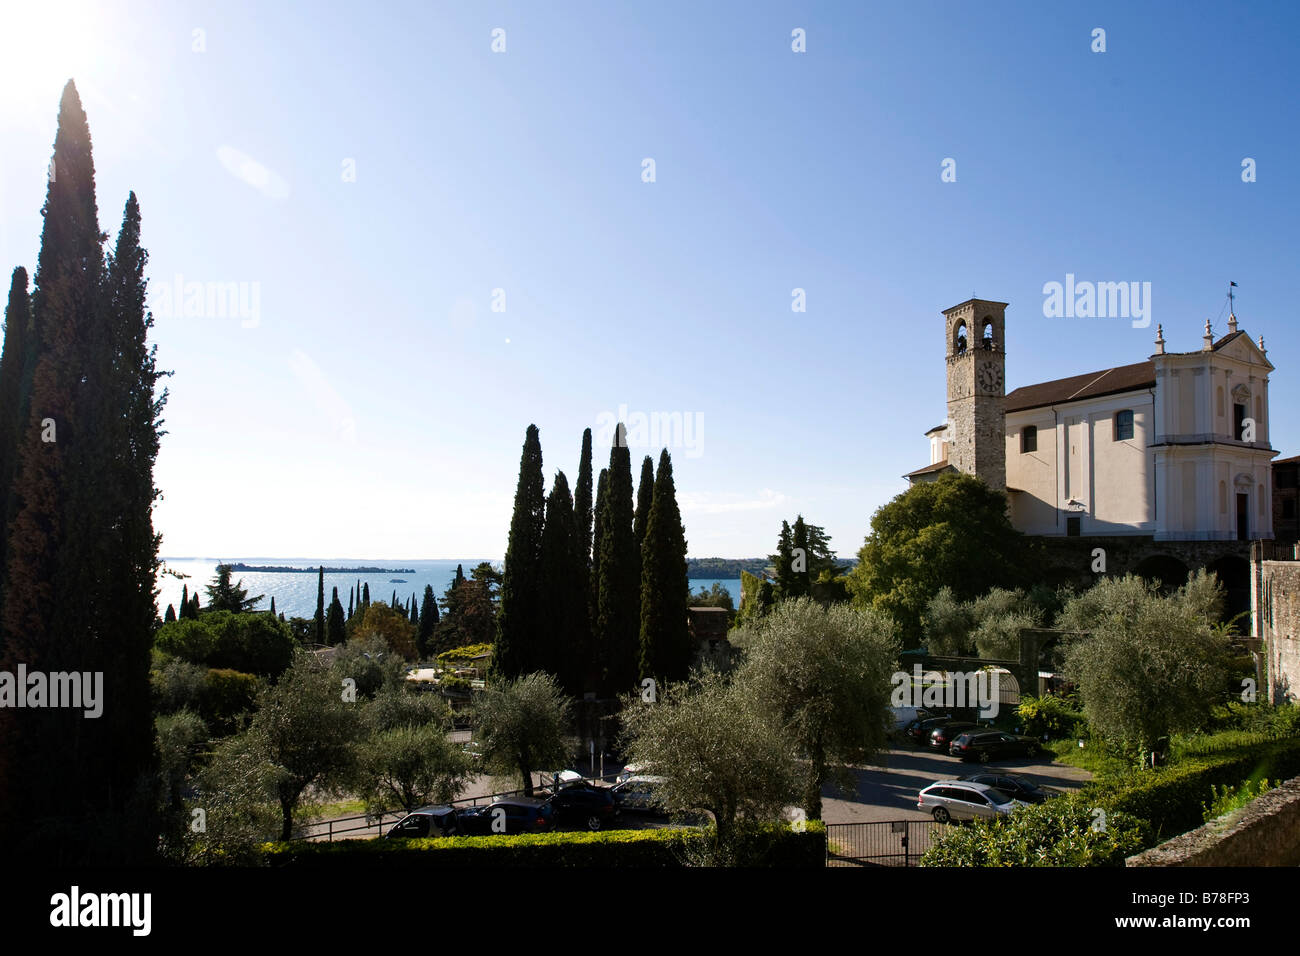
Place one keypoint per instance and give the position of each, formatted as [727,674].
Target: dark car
[1022,788]
[585,805]
[515,815]
[991,745]
[425,822]
[945,734]
[918,731]
[639,794]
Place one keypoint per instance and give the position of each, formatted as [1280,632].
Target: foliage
[1061,832]
[561,643]
[410,766]
[224,596]
[1150,665]
[720,749]
[469,615]
[954,530]
[335,630]
[750,610]
[520,726]
[227,696]
[618,621]
[391,627]
[466,653]
[1224,800]
[369,662]
[177,685]
[824,673]
[428,624]
[396,706]
[254,643]
[771,845]
[521,621]
[1048,715]
[665,638]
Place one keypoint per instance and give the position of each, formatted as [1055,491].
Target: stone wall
[1265,832]
[1275,620]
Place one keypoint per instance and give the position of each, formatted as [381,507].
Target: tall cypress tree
[519,621]
[563,648]
[666,647]
[185,601]
[801,582]
[582,507]
[596,666]
[272,605]
[350,597]
[392,602]
[424,632]
[619,601]
[170,615]
[15,393]
[318,622]
[784,561]
[365,598]
[645,490]
[334,629]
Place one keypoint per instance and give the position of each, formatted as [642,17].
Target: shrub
[227,695]
[1062,832]
[1048,715]
[254,643]
[177,685]
[773,845]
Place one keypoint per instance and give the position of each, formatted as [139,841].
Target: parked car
[943,735]
[583,804]
[521,815]
[905,715]
[638,794]
[1022,788]
[918,731]
[992,745]
[959,800]
[425,822]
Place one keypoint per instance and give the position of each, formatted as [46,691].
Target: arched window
[987,338]
[959,339]
[1124,425]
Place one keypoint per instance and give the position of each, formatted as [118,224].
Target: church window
[1238,420]
[1124,425]
[1029,439]
[959,339]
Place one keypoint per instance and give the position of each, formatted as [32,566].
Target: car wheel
[593,822]
[941,815]
[1032,750]
[982,756]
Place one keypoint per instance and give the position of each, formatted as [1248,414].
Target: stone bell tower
[974,336]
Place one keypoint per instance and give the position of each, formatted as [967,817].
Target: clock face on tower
[989,377]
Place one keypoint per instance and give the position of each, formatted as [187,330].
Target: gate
[891,843]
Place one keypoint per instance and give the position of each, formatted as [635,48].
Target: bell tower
[974,336]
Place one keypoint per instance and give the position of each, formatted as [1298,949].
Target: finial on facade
[1160,339]
[1261,345]
[1209,338]
[1232,321]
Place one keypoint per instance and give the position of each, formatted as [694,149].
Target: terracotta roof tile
[1125,378]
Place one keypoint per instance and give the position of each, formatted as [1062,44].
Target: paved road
[889,792]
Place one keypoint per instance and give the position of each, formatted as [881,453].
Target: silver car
[963,800]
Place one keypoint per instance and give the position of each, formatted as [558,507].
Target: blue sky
[374,403]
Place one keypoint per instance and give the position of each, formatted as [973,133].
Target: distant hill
[281,569]
[731,567]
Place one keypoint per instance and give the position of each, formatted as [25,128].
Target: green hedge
[771,845]
[1172,798]
[1049,715]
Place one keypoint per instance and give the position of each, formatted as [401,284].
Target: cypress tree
[564,651]
[619,604]
[185,601]
[596,665]
[15,384]
[365,599]
[392,602]
[428,624]
[801,581]
[349,604]
[334,629]
[666,647]
[582,508]
[358,594]
[318,623]
[170,615]
[460,577]
[272,605]
[415,610]
[645,490]
[519,622]
[194,604]
[784,560]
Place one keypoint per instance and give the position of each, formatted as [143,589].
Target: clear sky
[369,401]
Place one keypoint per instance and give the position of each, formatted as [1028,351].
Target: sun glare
[44,44]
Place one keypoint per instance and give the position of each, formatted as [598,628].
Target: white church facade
[1174,448]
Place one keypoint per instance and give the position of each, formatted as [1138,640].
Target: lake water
[295,593]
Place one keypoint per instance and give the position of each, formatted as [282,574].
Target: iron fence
[888,843]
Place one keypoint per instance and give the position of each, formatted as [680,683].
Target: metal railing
[888,843]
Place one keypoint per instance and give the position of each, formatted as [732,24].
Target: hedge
[1142,809]
[769,845]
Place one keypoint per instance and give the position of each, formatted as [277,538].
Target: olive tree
[410,766]
[719,750]
[520,726]
[1149,665]
[823,673]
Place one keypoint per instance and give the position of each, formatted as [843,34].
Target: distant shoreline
[281,569]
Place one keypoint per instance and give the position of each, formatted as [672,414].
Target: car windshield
[997,796]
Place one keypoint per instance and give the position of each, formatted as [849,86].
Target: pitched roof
[1293,460]
[929,469]
[1125,378]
